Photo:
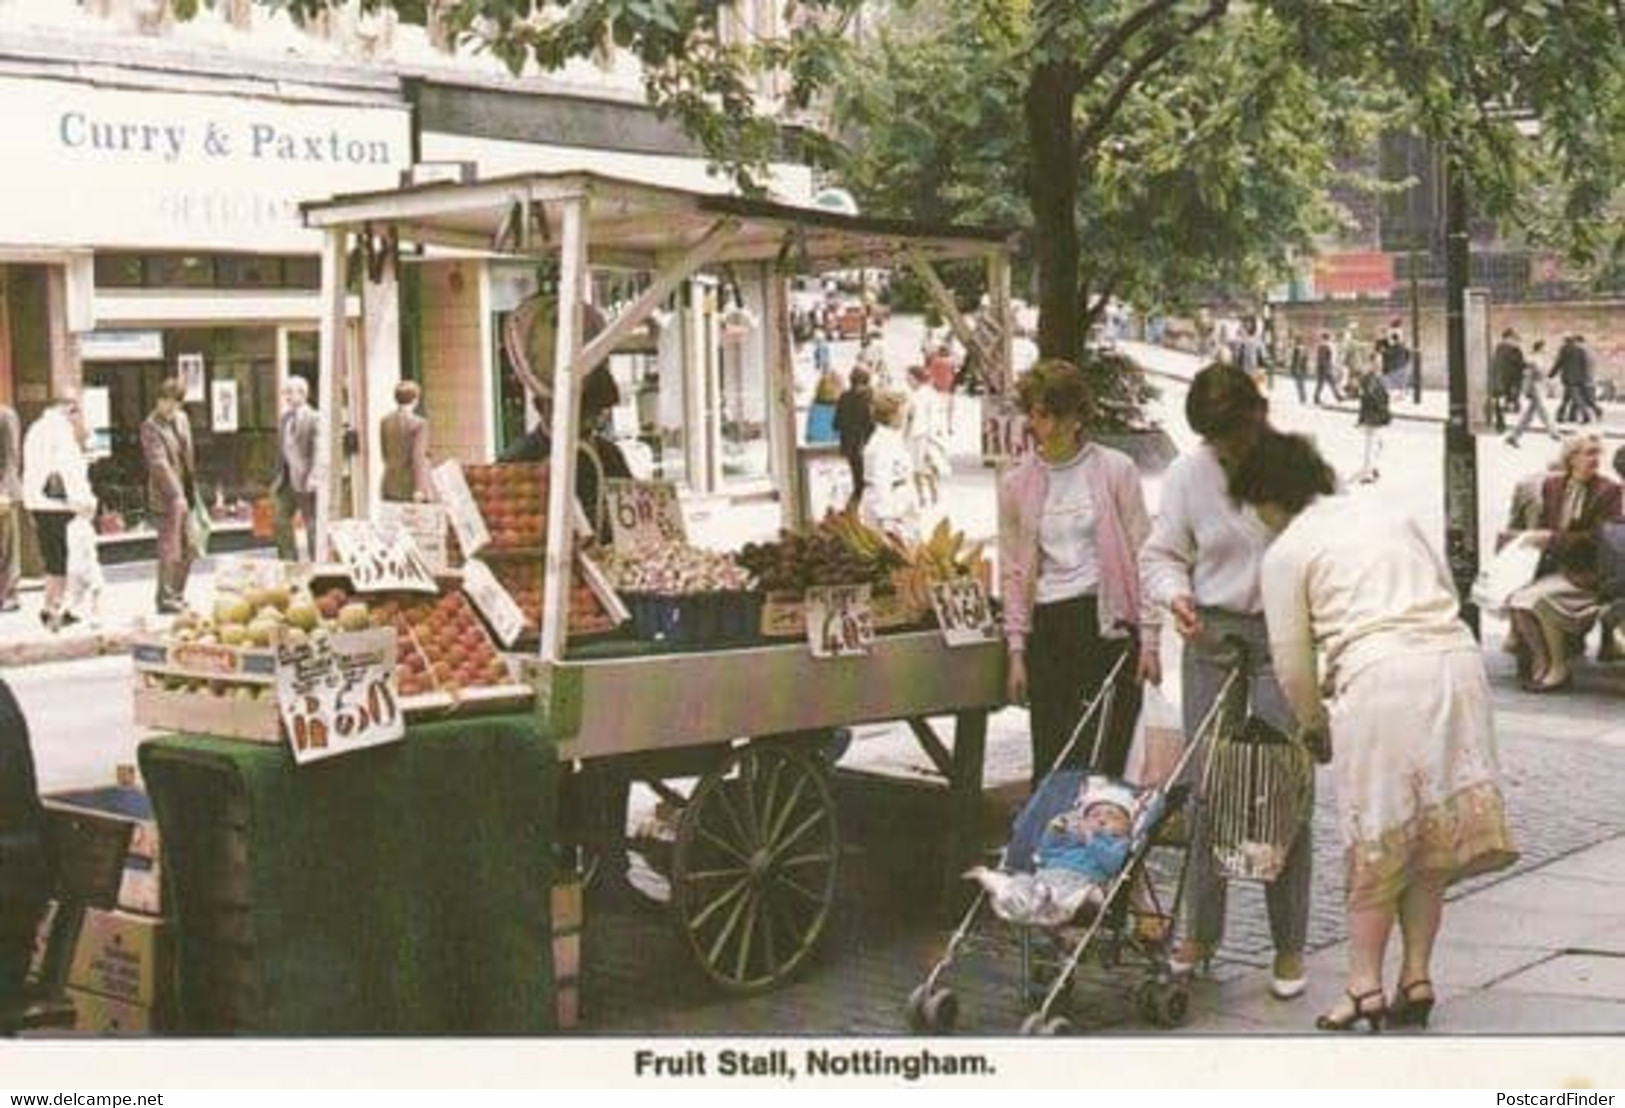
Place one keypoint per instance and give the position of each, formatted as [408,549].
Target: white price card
[426,523]
[643,512]
[829,486]
[962,611]
[452,488]
[840,620]
[495,603]
[337,694]
[376,564]
[1005,431]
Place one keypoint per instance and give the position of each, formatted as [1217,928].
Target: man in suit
[294,489]
[166,447]
[404,439]
[11,496]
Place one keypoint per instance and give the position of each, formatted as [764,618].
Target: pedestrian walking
[1325,367]
[1359,604]
[167,449]
[1507,371]
[1202,562]
[1588,382]
[1375,414]
[403,438]
[940,368]
[854,423]
[891,500]
[1573,368]
[11,494]
[1534,406]
[56,487]
[1395,358]
[926,433]
[296,481]
[1072,518]
[1298,366]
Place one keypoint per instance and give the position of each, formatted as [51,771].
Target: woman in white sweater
[56,486]
[1407,704]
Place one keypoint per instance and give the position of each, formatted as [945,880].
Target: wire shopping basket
[1259,787]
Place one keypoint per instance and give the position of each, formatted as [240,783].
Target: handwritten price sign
[377,564]
[962,611]
[1005,433]
[452,487]
[643,512]
[337,695]
[426,523]
[495,603]
[840,620]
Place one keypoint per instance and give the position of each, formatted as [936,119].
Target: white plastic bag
[1159,741]
[1509,571]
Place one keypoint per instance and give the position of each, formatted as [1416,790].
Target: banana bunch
[945,554]
[870,547]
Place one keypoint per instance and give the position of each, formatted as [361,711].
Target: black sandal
[1409,1010]
[1373,1016]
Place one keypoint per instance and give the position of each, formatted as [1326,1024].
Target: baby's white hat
[1104,790]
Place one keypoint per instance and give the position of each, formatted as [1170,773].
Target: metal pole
[1460,447]
[1416,326]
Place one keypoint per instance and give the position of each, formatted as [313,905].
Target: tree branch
[1100,120]
[1112,46]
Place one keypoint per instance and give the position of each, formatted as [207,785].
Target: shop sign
[840,620]
[464,511]
[121,346]
[377,564]
[163,169]
[337,694]
[643,513]
[426,523]
[963,613]
[494,602]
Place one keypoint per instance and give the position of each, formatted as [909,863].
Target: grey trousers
[10,553]
[1205,666]
[287,503]
[1535,405]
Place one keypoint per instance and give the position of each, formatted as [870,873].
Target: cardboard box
[123,956]
[567,1005]
[95,1014]
[566,957]
[141,889]
[567,910]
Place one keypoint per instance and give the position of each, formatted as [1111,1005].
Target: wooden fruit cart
[755,862]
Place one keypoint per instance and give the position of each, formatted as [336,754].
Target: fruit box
[123,956]
[95,1014]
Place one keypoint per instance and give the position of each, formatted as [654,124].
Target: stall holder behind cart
[754,867]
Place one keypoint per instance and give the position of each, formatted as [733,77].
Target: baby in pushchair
[1078,853]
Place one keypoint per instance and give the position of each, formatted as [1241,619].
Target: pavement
[1540,947]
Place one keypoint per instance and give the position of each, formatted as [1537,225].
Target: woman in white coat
[56,487]
[1354,586]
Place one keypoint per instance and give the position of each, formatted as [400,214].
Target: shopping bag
[1159,741]
[199,526]
[1510,570]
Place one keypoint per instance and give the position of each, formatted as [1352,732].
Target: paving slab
[1601,864]
[1512,1012]
[1589,976]
[1545,892]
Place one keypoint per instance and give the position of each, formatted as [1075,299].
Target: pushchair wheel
[932,1010]
[1163,1003]
[1036,1024]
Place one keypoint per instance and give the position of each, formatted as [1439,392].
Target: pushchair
[1129,925]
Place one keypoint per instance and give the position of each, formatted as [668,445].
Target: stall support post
[965,797]
[998,283]
[566,420]
[943,297]
[381,366]
[781,395]
[334,368]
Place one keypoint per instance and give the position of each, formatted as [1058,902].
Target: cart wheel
[1037,1025]
[1171,1004]
[932,1011]
[1145,999]
[754,868]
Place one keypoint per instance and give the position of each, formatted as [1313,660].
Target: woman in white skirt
[1407,705]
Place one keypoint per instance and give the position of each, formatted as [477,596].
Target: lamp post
[1460,446]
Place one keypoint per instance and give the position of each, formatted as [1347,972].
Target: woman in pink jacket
[1072,518]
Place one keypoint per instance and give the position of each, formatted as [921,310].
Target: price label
[337,694]
[644,512]
[840,620]
[1005,432]
[829,486]
[452,488]
[379,565]
[426,523]
[962,611]
[495,603]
